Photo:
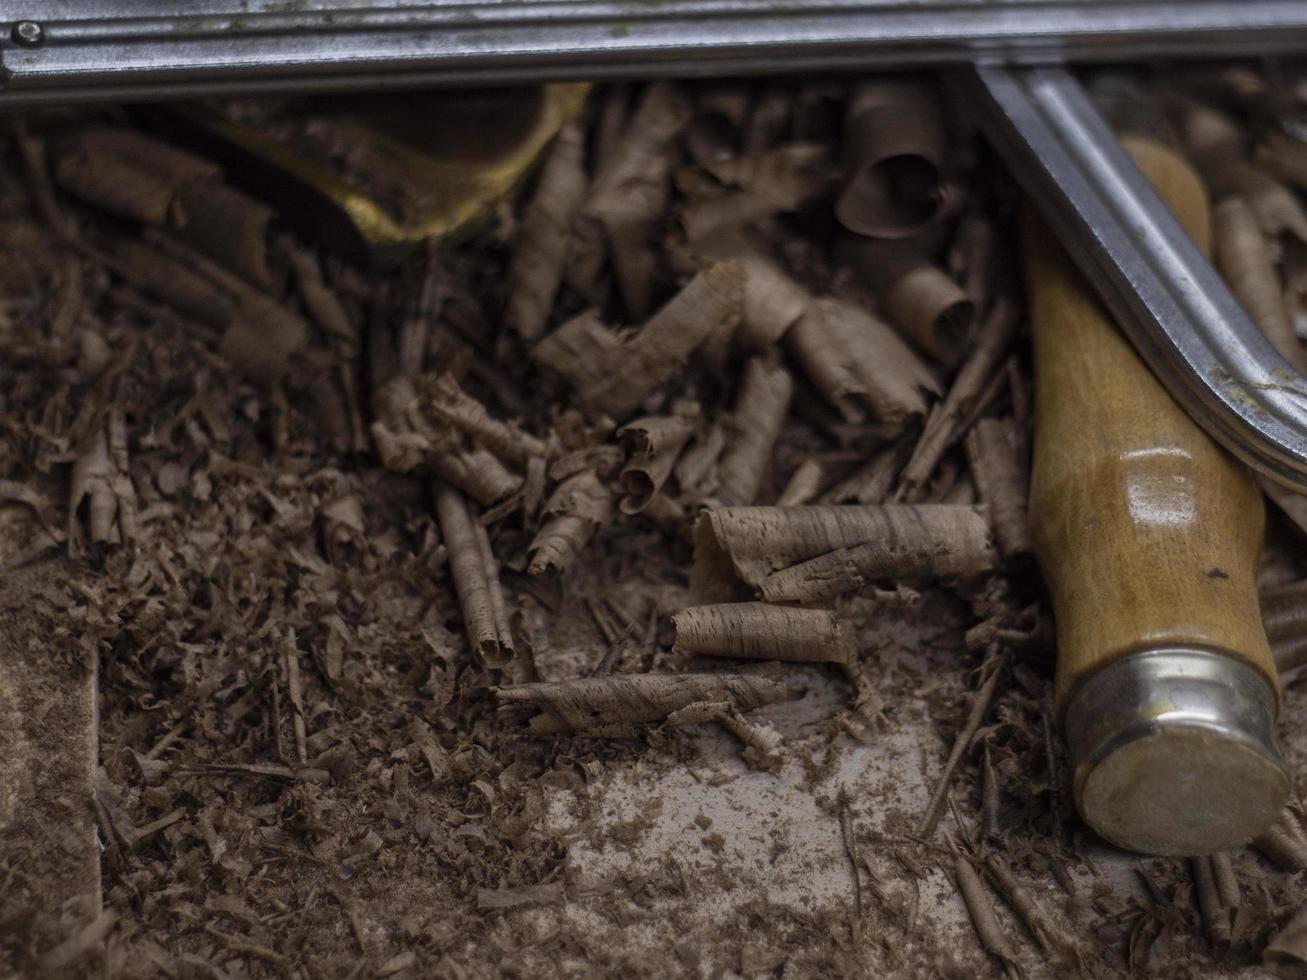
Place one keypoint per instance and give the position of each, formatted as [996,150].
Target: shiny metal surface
[125,49]
[1167,298]
[1173,751]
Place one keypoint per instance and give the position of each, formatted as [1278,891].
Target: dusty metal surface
[56,52]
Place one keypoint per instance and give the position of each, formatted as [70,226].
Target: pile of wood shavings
[398,582]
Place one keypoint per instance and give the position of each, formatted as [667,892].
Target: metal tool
[1149,537]
[1168,299]
[64,50]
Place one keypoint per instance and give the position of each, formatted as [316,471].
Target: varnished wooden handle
[1148,533]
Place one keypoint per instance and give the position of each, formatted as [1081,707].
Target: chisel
[1148,534]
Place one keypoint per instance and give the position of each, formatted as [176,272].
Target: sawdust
[302,770]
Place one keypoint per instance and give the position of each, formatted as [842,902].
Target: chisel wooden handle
[1148,535]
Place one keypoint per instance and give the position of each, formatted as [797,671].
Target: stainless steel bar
[79,50]
[1170,302]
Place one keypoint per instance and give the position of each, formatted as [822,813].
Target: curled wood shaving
[323,304]
[1054,941]
[1279,211]
[422,422]
[229,227]
[895,144]
[611,704]
[762,743]
[614,374]
[654,443]
[916,296]
[1285,842]
[1245,263]
[1286,954]
[1003,483]
[804,485]
[540,250]
[476,579]
[764,185]
[720,111]
[756,630]
[579,506]
[132,175]
[1218,917]
[752,430]
[630,190]
[773,302]
[129,174]
[1284,157]
[102,480]
[812,553]
[992,937]
[477,472]
[441,397]
[857,363]
[871,482]
[263,336]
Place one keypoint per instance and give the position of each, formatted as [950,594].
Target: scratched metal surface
[115,50]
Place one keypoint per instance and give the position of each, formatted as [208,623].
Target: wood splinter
[476,580]
[612,705]
[1003,483]
[808,554]
[947,417]
[975,717]
[762,743]
[759,631]
[1050,937]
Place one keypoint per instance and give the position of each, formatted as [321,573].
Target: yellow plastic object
[410,166]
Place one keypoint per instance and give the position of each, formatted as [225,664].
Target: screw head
[28,33]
